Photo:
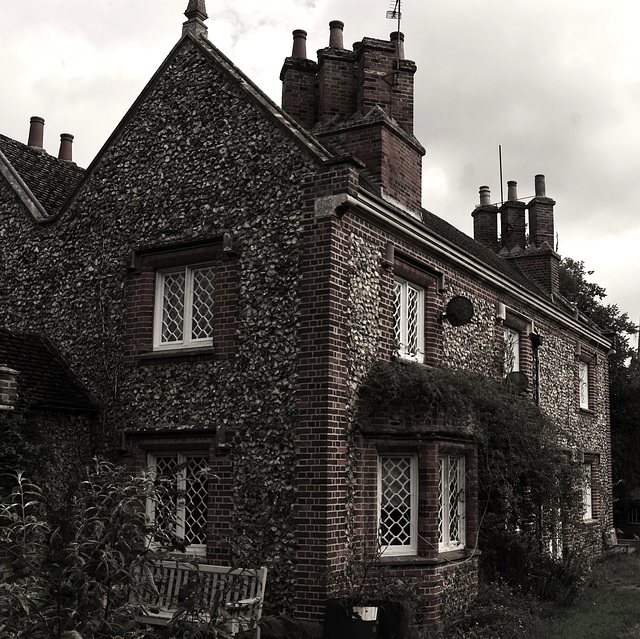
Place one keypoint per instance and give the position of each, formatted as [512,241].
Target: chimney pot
[36,132]
[397,39]
[485,196]
[299,44]
[512,191]
[66,151]
[336,40]
[541,189]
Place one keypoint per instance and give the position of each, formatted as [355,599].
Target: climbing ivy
[529,487]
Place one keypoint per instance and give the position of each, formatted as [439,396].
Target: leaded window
[511,350]
[397,495]
[587,491]
[184,307]
[583,381]
[451,513]
[408,320]
[184,506]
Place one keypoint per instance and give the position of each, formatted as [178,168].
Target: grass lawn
[609,608]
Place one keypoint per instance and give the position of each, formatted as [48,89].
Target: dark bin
[340,622]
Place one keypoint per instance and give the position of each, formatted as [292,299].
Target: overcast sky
[556,83]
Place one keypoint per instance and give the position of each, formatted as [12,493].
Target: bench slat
[241,592]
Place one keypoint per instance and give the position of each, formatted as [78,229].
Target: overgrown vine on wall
[529,487]
[21,447]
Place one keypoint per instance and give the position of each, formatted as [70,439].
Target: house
[224,274]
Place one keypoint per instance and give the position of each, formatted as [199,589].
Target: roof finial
[196,13]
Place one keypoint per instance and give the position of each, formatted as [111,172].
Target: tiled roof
[51,180]
[45,380]
[466,243]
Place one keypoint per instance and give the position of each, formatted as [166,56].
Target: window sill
[442,558]
[177,354]
[587,411]
[401,359]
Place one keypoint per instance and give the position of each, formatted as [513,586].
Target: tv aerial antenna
[395,12]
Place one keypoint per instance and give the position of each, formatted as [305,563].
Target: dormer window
[183,315]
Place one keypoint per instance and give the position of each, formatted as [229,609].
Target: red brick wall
[140,298]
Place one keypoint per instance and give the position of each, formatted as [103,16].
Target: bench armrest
[244,602]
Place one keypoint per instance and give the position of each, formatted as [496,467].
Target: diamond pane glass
[451,515]
[165,513]
[397,315]
[454,499]
[511,350]
[173,307]
[195,500]
[587,502]
[583,377]
[395,507]
[413,315]
[202,303]
[441,493]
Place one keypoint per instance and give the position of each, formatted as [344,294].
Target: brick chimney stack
[8,387]
[36,132]
[299,83]
[336,77]
[541,227]
[538,261]
[512,214]
[485,221]
[66,148]
[362,101]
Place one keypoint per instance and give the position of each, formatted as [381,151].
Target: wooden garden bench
[229,597]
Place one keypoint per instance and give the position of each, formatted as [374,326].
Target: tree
[588,298]
[624,374]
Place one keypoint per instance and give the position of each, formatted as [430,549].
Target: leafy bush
[497,613]
[529,488]
[76,579]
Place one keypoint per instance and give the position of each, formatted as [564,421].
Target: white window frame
[583,383]
[445,543]
[511,338]
[158,310]
[587,491]
[401,331]
[555,534]
[197,550]
[410,548]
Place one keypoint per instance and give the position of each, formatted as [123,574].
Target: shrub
[529,488]
[75,580]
